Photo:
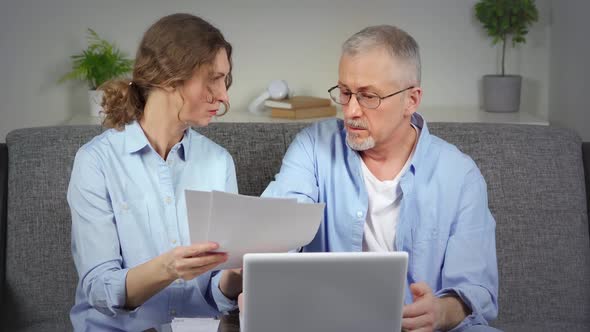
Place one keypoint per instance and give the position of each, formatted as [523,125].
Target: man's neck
[386,160]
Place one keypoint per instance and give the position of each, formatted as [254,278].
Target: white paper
[199,211]
[194,325]
[245,224]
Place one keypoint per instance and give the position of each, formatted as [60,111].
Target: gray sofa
[536,186]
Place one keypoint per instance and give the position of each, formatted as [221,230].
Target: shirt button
[172,312]
[170,162]
[124,206]
[168,200]
[173,241]
[359,214]
[178,281]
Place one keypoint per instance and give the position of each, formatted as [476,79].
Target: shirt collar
[423,141]
[135,140]
[185,144]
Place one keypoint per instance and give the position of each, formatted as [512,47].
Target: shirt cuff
[115,294]
[475,318]
[224,304]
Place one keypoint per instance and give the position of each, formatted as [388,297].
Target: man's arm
[297,177]
[470,271]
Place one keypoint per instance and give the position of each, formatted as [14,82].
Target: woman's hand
[188,262]
[147,279]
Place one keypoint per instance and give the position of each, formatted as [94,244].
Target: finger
[203,269]
[199,261]
[418,308]
[419,289]
[422,329]
[415,323]
[199,248]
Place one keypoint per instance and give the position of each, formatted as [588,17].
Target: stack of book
[301,107]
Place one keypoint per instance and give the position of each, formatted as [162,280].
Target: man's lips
[213,112]
[353,128]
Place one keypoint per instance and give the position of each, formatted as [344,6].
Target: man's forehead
[368,69]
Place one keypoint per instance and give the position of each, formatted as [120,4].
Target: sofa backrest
[535,186]
[586,156]
[3,193]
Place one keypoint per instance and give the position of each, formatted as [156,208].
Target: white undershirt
[384,205]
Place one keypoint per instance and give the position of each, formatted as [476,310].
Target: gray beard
[363,145]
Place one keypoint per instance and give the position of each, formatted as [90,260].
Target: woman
[130,237]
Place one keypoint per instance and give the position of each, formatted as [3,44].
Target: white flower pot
[95,99]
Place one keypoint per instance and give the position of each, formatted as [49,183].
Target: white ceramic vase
[95,99]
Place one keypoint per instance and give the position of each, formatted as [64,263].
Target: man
[389,185]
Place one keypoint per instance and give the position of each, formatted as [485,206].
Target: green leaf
[99,62]
[506,19]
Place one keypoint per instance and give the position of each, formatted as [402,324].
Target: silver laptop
[340,292]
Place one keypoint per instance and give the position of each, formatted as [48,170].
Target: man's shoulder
[448,157]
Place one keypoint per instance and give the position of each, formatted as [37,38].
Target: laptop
[339,292]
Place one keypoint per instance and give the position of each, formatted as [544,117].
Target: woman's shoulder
[108,141]
[202,145]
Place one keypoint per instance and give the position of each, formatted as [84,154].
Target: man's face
[374,71]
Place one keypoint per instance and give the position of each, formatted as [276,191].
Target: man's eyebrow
[362,88]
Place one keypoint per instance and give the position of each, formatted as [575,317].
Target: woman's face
[202,95]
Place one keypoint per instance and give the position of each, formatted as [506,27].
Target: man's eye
[368,96]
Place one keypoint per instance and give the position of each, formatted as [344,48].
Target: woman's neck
[160,123]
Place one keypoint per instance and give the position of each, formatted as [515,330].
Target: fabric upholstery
[3,192]
[586,155]
[536,193]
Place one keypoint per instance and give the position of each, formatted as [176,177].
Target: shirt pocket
[133,228]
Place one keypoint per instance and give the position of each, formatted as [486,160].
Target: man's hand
[425,314]
[429,313]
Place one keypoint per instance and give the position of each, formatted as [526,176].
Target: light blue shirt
[128,206]
[444,223]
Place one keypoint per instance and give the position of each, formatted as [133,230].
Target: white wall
[570,67]
[295,40]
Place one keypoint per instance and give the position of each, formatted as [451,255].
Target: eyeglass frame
[357,97]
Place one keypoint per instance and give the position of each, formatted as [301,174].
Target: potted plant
[503,19]
[99,62]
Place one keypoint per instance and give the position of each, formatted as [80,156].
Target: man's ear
[413,100]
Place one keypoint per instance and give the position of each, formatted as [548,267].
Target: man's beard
[353,139]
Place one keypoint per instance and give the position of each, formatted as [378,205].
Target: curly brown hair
[171,50]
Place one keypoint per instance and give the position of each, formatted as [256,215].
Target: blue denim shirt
[128,206]
[444,224]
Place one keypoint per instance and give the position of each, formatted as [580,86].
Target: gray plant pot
[501,93]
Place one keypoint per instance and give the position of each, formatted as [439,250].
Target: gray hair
[397,42]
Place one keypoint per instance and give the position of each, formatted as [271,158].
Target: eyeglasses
[364,98]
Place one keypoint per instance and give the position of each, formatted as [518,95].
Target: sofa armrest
[586,158]
[3,206]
